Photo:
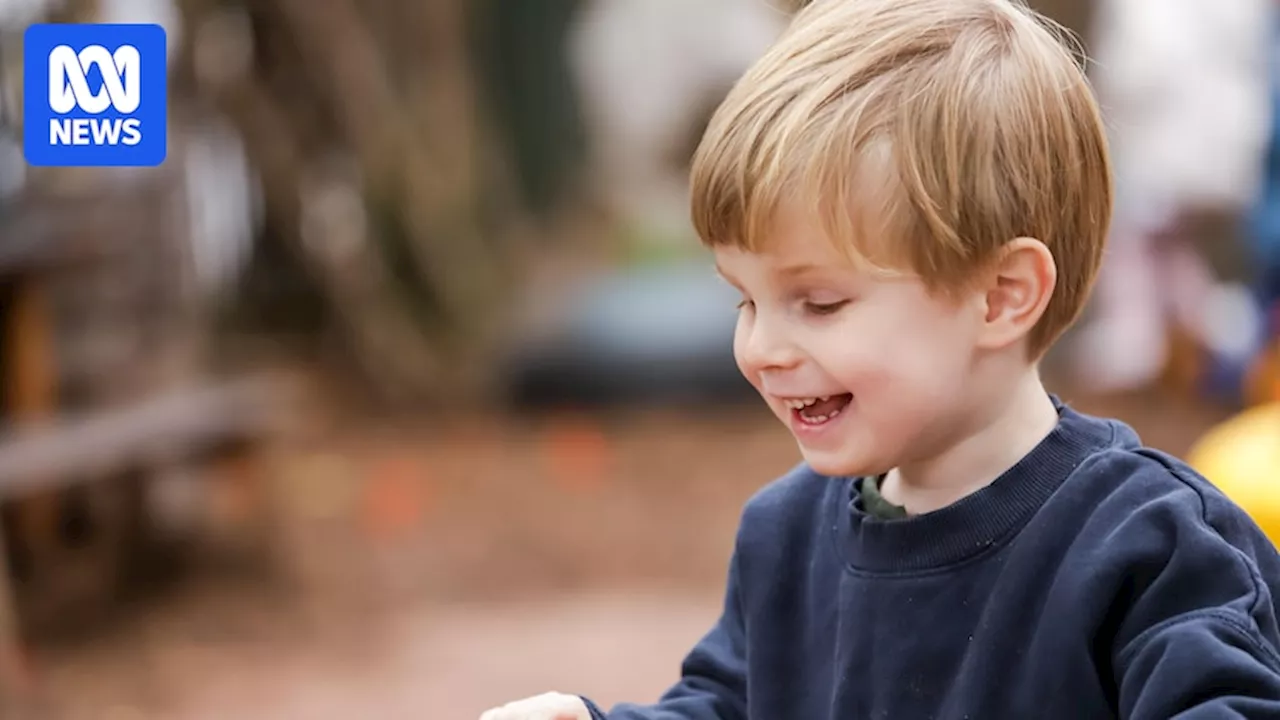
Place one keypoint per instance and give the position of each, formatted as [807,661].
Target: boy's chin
[838,464]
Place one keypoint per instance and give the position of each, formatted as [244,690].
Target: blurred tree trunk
[522,51]
[361,118]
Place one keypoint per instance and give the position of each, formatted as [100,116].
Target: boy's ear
[1018,288]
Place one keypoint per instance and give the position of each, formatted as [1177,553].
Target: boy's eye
[743,305]
[825,308]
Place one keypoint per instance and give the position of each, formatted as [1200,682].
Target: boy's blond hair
[926,134]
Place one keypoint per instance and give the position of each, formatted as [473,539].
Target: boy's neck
[980,456]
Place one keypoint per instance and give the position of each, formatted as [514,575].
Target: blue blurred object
[641,336]
[1264,219]
[1223,378]
[1263,232]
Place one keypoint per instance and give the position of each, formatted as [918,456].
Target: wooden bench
[185,423]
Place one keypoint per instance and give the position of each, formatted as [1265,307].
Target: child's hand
[549,706]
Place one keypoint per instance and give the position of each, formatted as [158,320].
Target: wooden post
[30,387]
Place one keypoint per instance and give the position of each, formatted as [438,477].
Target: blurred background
[403,388]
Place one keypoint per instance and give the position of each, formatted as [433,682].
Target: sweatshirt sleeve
[1199,635]
[713,676]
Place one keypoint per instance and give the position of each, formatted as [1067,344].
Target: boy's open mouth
[818,410]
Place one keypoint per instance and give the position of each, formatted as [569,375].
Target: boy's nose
[763,347]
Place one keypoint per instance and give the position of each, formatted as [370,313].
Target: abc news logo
[121,90]
[95,95]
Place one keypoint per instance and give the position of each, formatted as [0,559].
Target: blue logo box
[95,95]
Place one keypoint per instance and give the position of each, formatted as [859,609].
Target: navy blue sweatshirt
[1094,579]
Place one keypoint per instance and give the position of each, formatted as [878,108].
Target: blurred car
[637,336]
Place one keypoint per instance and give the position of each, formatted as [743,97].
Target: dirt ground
[434,572]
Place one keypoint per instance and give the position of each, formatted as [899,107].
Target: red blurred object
[577,454]
[396,497]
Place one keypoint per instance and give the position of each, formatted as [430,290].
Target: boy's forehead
[784,259]
[795,235]
[803,235]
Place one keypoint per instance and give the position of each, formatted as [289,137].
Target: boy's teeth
[802,403]
[819,419]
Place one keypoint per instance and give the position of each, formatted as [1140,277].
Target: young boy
[912,197]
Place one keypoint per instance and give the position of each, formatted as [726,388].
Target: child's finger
[511,711]
[551,706]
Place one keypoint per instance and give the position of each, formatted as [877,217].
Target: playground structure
[106,395]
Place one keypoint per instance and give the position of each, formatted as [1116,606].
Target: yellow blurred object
[1241,456]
